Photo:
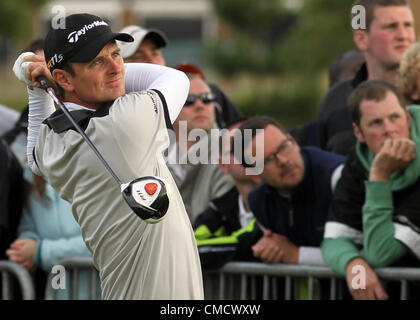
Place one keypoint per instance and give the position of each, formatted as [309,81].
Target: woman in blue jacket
[48,233]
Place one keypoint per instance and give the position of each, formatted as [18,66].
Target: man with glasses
[193,158]
[291,206]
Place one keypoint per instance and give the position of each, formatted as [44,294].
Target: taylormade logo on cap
[74,36]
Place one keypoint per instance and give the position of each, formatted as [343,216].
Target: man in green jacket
[375,205]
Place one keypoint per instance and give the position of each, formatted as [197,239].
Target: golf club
[146,196]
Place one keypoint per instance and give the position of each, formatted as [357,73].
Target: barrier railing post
[243,286]
[9,269]
[288,288]
[253,288]
[251,280]
[75,284]
[310,288]
[404,290]
[274,283]
[222,286]
[6,283]
[93,284]
[266,288]
[333,289]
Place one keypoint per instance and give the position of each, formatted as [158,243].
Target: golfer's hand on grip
[28,67]
[44,82]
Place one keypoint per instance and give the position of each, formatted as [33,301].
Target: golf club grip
[43,81]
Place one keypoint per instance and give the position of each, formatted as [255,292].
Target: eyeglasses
[204,97]
[284,149]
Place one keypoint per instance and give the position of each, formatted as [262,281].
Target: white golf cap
[139,33]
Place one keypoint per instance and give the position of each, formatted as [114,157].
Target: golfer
[125,110]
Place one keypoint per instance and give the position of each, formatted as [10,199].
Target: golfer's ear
[63,79]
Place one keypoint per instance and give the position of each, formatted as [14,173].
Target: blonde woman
[409,74]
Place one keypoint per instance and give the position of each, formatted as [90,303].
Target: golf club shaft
[48,88]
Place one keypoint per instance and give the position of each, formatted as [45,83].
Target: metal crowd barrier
[259,281]
[11,270]
[251,281]
[245,280]
[73,267]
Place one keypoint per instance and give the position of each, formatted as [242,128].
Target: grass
[12,91]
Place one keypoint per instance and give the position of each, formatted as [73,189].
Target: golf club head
[147,197]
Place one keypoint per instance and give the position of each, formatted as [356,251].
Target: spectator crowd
[339,191]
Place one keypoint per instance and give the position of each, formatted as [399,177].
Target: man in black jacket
[389,32]
[292,203]
[12,197]
[375,205]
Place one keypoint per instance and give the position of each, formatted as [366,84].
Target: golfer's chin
[115,93]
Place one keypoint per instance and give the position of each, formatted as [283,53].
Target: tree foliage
[241,14]
[16,17]
[293,47]
[267,37]
[255,31]
[321,34]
